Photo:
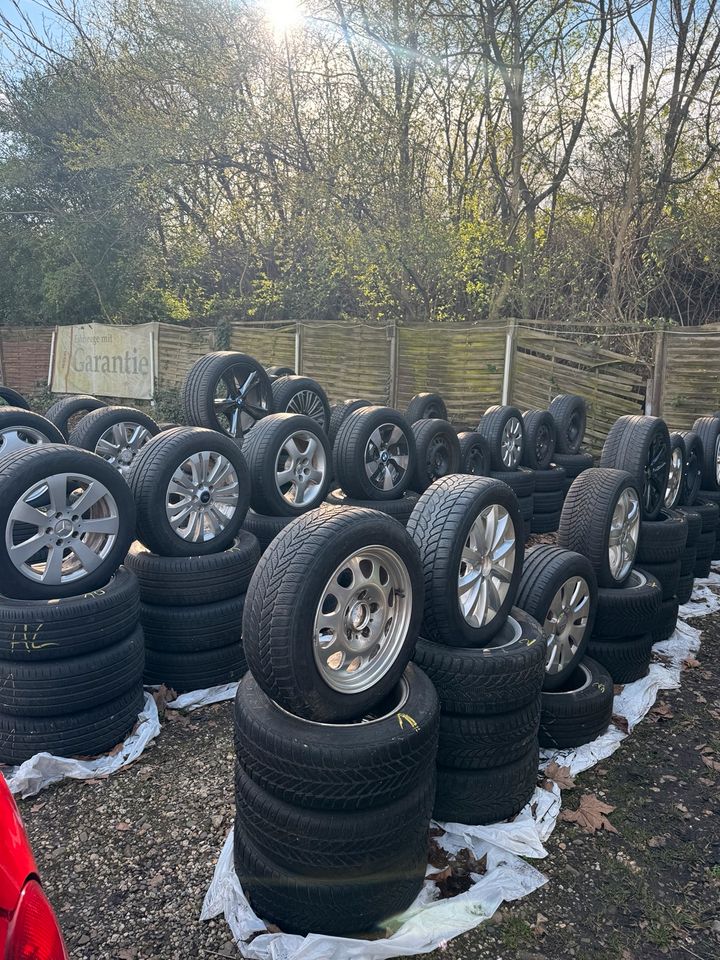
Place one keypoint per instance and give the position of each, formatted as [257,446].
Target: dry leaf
[122,826]
[657,842]
[713,764]
[621,723]
[618,689]
[538,928]
[560,775]
[690,663]
[661,711]
[441,875]
[590,815]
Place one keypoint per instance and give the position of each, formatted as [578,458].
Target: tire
[573,464]
[40,630]
[438,453]
[426,406]
[307,568]
[443,520]
[505,675]
[11,398]
[540,439]
[692,474]
[352,766]
[570,415]
[400,509]
[678,457]
[667,575]
[687,562]
[358,461]
[627,611]
[503,429]
[164,427]
[626,661]
[548,502]
[340,413]
[280,372]
[709,515]
[545,522]
[702,567]
[550,480]
[327,905]
[662,540]
[705,546]
[641,446]
[206,626]
[474,454]
[550,573]
[195,671]
[192,491]
[190,581]
[685,588]
[521,481]
[22,430]
[289,462]
[117,434]
[694,522]
[209,373]
[480,742]
[62,411]
[264,528]
[322,843]
[486,796]
[708,430]
[55,688]
[303,396]
[580,711]
[30,475]
[86,734]
[664,626]
[587,515]
[526,505]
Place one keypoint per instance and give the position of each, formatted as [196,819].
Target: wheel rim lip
[101,544]
[318,460]
[653,490]
[385,648]
[192,532]
[372,460]
[675,477]
[583,686]
[404,690]
[38,437]
[491,549]
[308,403]
[227,407]
[511,442]
[107,437]
[717,459]
[569,639]
[628,501]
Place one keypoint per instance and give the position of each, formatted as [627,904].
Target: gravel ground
[127,860]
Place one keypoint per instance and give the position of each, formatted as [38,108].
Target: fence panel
[349,359]
[690,376]
[272,344]
[178,349]
[25,357]
[545,365]
[463,364]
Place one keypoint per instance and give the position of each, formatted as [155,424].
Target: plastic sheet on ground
[44,769]
[430,923]
[202,698]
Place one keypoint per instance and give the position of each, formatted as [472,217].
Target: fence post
[393,391]
[653,398]
[298,347]
[507,368]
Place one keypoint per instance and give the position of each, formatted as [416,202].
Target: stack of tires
[569,412]
[503,429]
[191,489]
[335,731]
[707,430]
[71,649]
[485,657]
[538,455]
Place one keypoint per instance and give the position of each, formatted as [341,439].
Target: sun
[283,15]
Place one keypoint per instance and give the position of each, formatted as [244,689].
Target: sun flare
[283,15]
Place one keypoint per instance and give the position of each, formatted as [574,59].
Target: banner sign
[105,360]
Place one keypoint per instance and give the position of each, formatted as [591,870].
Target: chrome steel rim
[387,456]
[486,565]
[717,459]
[121,443]
[565,623]
[202,496]
[362,619]
[675,476]
[587,678]
[511,442]
[76,524]
[300,469]
[239,399]
[309,404]
[13,439]
[624,528]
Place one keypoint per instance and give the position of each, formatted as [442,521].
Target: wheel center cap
[63,528]
[125,455]
[384,456]
[359,615]
[204,497]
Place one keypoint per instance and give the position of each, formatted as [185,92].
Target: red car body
[28,926]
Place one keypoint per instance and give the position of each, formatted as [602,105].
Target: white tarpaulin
[105,360]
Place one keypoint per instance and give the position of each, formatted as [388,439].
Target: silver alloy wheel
[121,442]
[300,469]
[624,530]
[566,622]
[387,456]
[511,443]
[717,459]
[487,565]
[76,524]
[308,403]
[585,682]
[674,477]
[202,496]
[13,439]
[362,619]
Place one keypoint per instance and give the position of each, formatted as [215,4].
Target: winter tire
[302,396]
[662,540]
[227,391]
[521,481]
[709,515]
[550,480]
[548,502]
[570,415]
[11,398]
[573,464]
[437,452]
[426,406]
[687,562]
[503,429]
[117,434]
[664,626]
[641,446]
[21,431]
[474,454]
[400,509]
[264,528]
[493,740]
[65,410]
[580,711]
[545,522]
[666,574]
[195,671]
[626,611]
[685,588]
[627,660]
[374,454]
[206,626]
[540,439]
[676,473]
[708,430]
[280,372]
[340,413]
[694,522]
[692,472]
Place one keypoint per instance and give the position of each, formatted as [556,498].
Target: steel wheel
[543,442]
[675,477]
[566,622]
[511,443]
[362,618]
[387,456]
[475,462]
[308,403]
[655,483]
[438,457]
[120,444]
[487,564]
[202,496]
[300,469]
[13,439]
[76,523]
[574,428]
[624,529]
[240,399]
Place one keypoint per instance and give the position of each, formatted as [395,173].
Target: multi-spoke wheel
[301,469]
[656,477]
[303,396]
[117,434]
[387,456]
[374,454]
[566,623]
[624,529]
[227,391]
[22,430]
[486,565]
[641,446]
[676,474]
[692,473]
[503,428]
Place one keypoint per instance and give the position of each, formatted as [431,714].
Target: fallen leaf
[590,815]
[690,663]
[538,928]
[700,698]
[122,826]
[621,723]
[661,711]
[618,689]
[441,876]
[712,764]
[560,775]
[657,842]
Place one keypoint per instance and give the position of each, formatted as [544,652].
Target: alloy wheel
[308,403]
[387,456]
[202,496]
[675,476]
[13,439]
[624,530]
[511,443]
[566,623]
[240,400]
[655,476]
[120,444]
[487,565]
[300,469]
